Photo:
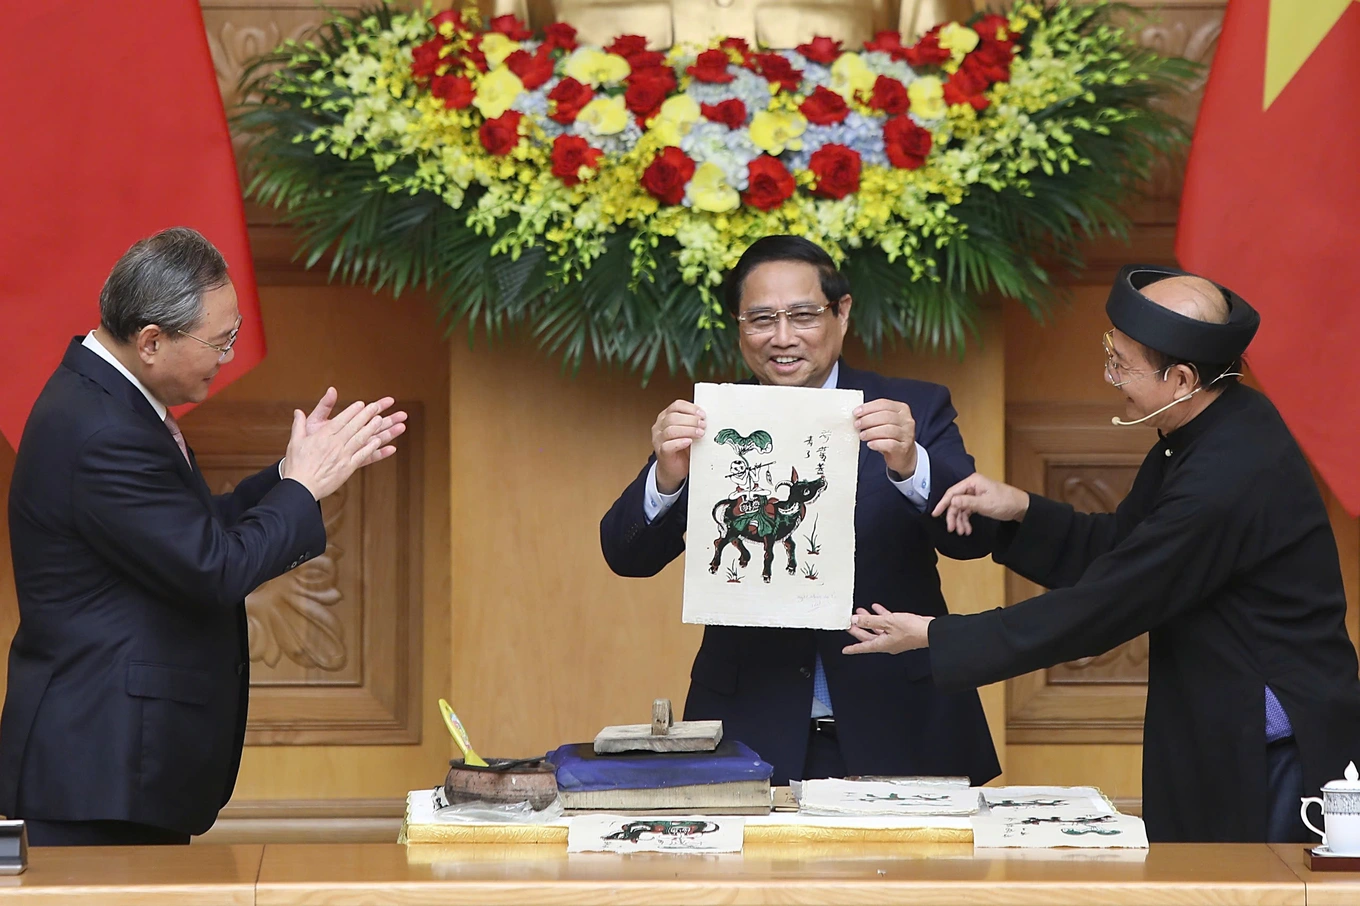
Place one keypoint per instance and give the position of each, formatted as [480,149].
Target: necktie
[819,687]
[177,434]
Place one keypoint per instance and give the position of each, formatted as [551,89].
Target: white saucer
[1321,850]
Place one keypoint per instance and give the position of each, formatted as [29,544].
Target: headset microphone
[1119,422]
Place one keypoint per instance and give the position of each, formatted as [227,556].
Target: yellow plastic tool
[460,736]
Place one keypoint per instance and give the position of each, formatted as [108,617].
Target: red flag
[1271,209]
[114,131]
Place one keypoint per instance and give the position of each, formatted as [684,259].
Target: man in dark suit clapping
[125,713]
[790,694]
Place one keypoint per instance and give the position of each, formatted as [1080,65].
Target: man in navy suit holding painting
[790,694]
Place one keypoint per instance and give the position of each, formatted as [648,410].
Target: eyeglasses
[224,350]
[1114,371]
[760,321]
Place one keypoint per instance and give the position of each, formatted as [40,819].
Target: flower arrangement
[599,194]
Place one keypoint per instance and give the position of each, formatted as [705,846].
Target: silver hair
[161,280]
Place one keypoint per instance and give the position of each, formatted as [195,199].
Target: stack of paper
[884,797]
[1048,817]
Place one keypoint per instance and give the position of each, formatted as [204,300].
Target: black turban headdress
[1169,332]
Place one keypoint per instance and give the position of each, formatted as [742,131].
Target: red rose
[663,75]
[837,170]
[425,59]
[647,61]
[512,27]
[627,45]
[645,96]
[569,154]
[991,25]
[456,91]
[769,184]
[907,144]
[740,46]
[712,67]
[889,42]
[966,87]
[927,51]
[668,174]
[991,60]
[777,70]
[824,107]
[452,16]
[731,113]
[890,96]
[821,50]
[533,69]
[501,135]
[559,35]
[570,96]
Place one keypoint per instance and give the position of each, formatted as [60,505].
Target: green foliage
[1011,240]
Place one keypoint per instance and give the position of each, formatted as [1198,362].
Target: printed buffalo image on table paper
[771,519]
[691,834]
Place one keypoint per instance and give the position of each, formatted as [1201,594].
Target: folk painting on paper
[771,530]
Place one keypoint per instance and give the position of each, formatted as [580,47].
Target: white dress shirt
[915,487]
[93,344]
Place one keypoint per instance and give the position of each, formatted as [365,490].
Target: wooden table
[137,876]
[917,874]
[1325,888]
[871,874]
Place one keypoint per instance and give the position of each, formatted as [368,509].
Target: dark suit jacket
[129,673]
[890,719]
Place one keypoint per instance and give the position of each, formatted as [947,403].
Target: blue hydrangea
[863,134]
[536,104]
[533,103]
[814,74]
[611,144]
[880,63]
[731,150]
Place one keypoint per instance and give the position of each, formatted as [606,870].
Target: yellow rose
[596,68]
[849,75]
[958,39]
[604,116]
[497,47]
[775,132]
[709,191]
[497,92]
[927,97]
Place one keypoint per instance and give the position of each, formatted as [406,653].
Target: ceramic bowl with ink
[503,781]
[1340,805]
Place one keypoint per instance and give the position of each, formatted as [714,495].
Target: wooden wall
[547,644]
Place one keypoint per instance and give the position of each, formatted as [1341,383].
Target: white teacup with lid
[1340,804]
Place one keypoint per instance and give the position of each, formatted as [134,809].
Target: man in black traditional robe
[1222,552]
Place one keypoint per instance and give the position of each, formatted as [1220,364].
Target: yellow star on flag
[1297,27]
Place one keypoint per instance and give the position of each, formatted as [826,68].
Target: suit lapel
[850,379]
[83,361]
[199,479]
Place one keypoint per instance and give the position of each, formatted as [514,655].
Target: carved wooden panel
[334,644]
[1071,452]
[1096,488]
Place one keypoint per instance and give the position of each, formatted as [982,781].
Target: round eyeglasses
[223,350]
[1116,374]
